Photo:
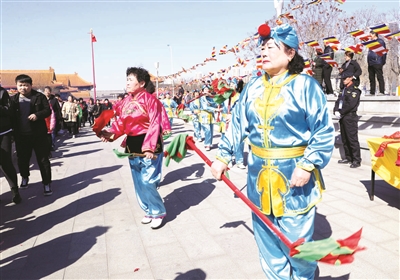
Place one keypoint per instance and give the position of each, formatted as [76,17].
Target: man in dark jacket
[29,109]
[327,70]
[346,109]
[375,66]
[350,66]
[6,164]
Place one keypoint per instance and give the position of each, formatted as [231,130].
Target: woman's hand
[300,177]
[228,118]
[149,155]
[105,136]
[218,168]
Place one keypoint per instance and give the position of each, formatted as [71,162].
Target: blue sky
[40,34]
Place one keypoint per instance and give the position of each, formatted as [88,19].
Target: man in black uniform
[346,109]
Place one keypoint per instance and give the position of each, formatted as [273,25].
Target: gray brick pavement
[90,227]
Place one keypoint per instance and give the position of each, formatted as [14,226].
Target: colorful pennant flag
[359,34]
[314,2]
[213,52]
[332,40]
[307,67]
[382,29]
[223,50]
[357,49]
[297,7]
[287,16]
[259,62]
[329,60]
[314,44]
[376,47]
[340,1]
[245,42]
[231,50]
[391,35]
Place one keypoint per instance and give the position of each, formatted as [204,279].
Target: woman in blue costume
[170,106]
[206,117]
[285,117]
[194,107]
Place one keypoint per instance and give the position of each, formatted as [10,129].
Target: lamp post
[157,65]
[172,69]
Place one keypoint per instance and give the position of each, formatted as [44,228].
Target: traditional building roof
[72,80]
[81,94]
[40,78]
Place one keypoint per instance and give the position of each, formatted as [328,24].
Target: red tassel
[395,135]
[379,152]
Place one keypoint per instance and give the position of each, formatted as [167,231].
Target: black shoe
[47,190]
[16,198]
[24,183]
[355,165]
[344,161]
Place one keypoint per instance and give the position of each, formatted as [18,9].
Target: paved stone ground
[90,227]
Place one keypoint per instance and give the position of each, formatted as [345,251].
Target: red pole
[94,78]
[191,145]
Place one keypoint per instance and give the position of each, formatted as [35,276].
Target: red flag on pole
[93,38]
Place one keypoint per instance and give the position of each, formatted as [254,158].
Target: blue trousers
[171,120]
[208,129]
[146,175]
[274,255]
[197,128]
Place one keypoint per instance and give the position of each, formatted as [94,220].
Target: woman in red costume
[141,119]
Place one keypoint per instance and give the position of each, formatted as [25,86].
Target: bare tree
[325,19]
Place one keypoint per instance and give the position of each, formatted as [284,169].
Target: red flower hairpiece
[264,30]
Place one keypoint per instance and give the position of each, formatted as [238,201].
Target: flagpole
[94,76]
[172,70]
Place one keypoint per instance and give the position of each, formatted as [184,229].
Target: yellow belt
[277,153]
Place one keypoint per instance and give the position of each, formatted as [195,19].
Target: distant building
[64,84]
